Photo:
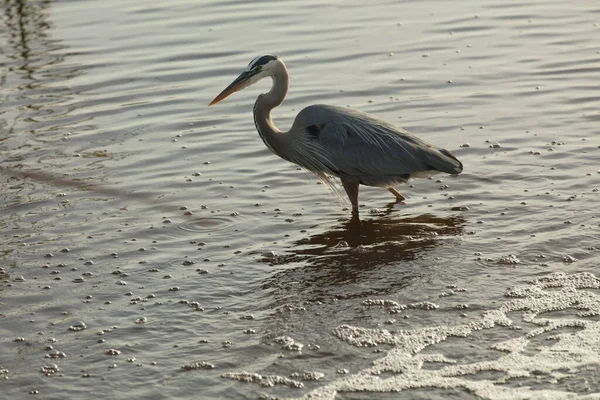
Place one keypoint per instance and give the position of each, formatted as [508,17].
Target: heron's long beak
[238,84]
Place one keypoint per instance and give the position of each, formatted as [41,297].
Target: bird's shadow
[378,253]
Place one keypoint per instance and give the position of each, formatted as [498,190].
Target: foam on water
[523,363]
[151,245]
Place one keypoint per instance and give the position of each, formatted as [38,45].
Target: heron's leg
[351,187]
[396,193]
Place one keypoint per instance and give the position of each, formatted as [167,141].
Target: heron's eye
[258,68]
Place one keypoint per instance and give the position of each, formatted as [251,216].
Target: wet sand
[154,248]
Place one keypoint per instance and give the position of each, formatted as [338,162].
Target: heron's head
[258,68]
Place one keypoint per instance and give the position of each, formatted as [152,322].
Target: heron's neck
[267,130]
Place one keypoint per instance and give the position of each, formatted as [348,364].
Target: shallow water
[480,286]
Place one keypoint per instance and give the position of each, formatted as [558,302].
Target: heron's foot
[396,193]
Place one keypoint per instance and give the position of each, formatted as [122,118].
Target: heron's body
[329,140]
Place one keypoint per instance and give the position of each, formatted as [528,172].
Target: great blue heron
[330,140]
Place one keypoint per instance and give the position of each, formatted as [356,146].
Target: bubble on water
[288,343]
[308,375]
[112,352]
[55,354]
[391,305]
[269,254]
[78,280]
[360,249]
[423,305]
[341,245]
[263,380]
[78,326]
[510,259]
[50,369]
[141,320]
[569,259]
[198,365]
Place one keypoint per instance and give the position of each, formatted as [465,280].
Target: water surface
[203,266]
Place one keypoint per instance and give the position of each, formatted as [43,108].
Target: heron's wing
[357,144]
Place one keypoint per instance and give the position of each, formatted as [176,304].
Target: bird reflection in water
[377,255]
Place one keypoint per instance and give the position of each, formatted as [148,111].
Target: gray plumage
[356,144]
[329,140]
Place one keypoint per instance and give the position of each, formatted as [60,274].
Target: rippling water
[203,266]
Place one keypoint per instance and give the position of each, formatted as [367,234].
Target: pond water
[152,247]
